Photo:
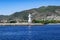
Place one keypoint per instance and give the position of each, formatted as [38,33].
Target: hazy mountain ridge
[37,13]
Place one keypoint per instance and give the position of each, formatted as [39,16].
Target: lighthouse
[29,18]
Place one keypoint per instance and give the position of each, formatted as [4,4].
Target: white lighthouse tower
[29,18]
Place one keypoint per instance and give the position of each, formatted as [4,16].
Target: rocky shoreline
[20,24]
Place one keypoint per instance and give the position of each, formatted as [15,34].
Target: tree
[13,22]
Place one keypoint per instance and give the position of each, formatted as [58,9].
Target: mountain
[4,17]
[37,13]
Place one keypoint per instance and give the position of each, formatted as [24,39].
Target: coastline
[6,24]
[53,24]
[18,24]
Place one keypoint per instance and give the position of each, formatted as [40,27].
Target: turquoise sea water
[44,32]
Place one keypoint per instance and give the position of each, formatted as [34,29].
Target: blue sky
[8,7]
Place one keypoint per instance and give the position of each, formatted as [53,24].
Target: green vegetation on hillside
[46,21]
